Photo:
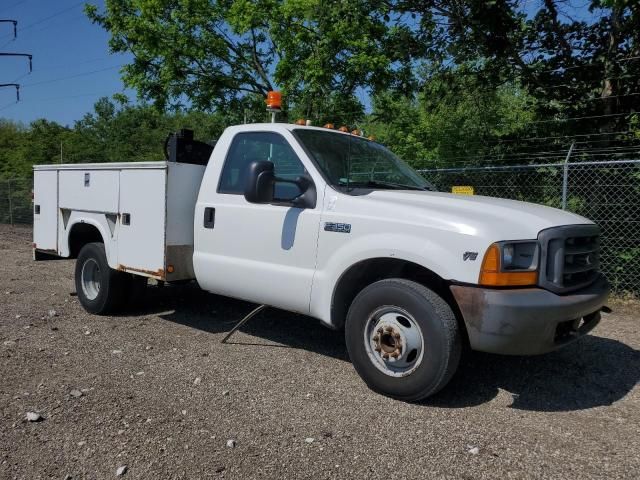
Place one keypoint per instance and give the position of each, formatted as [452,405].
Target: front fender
[433,256]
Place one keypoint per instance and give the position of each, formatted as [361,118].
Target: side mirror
[259,182]
[260,187]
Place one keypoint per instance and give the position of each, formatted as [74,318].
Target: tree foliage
[218,54]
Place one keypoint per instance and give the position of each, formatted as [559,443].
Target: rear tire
[101,290]
[403,339]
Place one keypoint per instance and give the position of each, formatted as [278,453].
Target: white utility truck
[334,226]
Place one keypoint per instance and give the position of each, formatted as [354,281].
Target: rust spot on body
[159,274]
[472,303]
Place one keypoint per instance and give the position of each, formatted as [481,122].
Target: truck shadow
[592,372]
[192,307]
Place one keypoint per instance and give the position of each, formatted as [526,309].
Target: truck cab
[335,226]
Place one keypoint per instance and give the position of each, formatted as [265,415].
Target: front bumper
[528,321]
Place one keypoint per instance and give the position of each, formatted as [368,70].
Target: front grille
[570,257]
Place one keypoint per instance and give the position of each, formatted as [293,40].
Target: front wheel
[101,290]
[403,339]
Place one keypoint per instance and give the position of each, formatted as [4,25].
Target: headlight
[519,255]
[513,263]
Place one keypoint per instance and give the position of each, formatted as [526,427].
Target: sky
[72,66]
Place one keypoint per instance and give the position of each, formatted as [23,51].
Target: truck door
[259,252]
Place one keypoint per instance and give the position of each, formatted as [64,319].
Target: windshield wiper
[378,184]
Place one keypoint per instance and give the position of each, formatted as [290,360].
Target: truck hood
[496,218]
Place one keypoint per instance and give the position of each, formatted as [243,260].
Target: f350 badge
[337,227]
[469,256]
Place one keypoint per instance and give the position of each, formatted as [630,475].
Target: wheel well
[365,273]
[80,235]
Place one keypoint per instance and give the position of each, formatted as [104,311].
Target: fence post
[565,177]
[10,205]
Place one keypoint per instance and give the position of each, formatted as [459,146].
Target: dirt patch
[155,391]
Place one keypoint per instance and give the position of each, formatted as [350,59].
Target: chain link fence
[606,192]
[15,201]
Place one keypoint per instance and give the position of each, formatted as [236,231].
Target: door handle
[209,217]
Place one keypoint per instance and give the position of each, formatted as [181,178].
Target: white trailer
[143,211]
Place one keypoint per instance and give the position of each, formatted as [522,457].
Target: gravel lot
[161,396]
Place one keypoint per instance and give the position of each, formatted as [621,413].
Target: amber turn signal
[490,274]
[301,121]
[343,129]
[329,125]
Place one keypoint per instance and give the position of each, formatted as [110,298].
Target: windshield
[350,161]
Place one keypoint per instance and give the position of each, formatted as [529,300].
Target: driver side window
[260,146]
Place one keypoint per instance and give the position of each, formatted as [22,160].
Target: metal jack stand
[252,314]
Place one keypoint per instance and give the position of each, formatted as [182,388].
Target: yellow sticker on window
[462,189]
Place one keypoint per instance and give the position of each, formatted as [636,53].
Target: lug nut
[388,329]
[376,338]
[396,336]
[395,354]
[377,349]
[385,356]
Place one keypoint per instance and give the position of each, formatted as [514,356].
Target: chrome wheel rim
[90,279]
[393,341]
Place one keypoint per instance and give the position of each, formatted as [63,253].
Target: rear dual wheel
[101,289]
[403,339]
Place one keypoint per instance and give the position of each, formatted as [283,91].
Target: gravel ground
[154,391]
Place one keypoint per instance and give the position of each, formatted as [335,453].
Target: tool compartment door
[45,210]
[90,190]
[141,221]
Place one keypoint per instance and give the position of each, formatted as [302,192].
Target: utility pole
[11,54]
[17,85]
[27,55]
[15,26]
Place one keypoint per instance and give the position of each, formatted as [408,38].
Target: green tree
[580,62]
[455,119]
[215,55]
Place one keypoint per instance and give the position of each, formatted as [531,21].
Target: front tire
[101,290]
[403,339]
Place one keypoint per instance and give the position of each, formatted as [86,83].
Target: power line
[14,5]
[594,64]
[592,99]
[66,22]
[45,68]
[498,158]
[49,99]
[61,12]
[71,76]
